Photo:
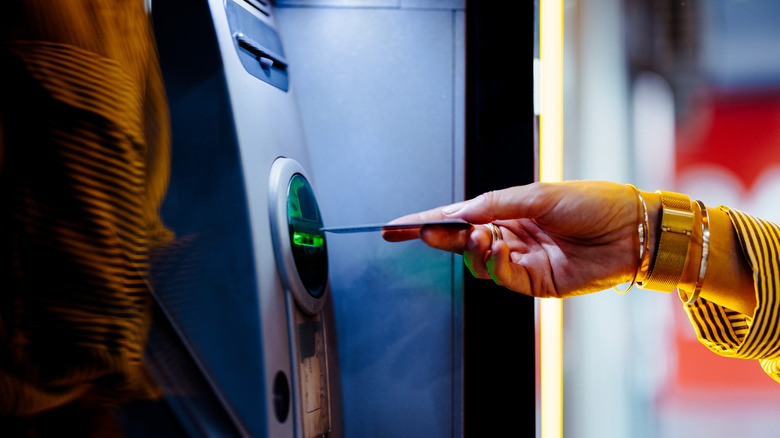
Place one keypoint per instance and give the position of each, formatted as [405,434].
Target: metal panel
[218,284]
[381,94]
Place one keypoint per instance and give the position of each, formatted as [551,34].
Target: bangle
[673,241]
[705,252]
[642,230]
[644,258]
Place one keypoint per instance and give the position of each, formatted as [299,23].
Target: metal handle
[266,57]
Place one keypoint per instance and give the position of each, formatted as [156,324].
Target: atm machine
[244,341]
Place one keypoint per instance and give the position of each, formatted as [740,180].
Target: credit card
[365,228]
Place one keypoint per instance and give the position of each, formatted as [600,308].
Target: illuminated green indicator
[309,246]
[306,239]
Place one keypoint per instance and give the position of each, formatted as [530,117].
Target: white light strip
[551,170]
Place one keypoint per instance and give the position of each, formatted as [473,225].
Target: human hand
[559,239]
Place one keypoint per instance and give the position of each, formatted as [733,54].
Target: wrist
[653,205]
[674,232]
[673,257]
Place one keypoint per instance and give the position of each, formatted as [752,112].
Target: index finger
[400,235]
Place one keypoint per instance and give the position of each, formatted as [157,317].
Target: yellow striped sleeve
[84,159]
[733,334]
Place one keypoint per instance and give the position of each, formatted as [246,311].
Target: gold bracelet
[642,230]
[675,236]
[644,265]
[705,252]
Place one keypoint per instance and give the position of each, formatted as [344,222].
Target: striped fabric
[732,334]
[84,156]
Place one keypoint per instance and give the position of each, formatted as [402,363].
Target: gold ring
[495,233]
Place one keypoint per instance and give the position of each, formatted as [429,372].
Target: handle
[266,58]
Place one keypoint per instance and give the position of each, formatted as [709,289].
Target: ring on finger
[495,233]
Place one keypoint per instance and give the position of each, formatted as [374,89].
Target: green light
[305,239]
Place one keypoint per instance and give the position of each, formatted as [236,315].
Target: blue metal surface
[381,97]
[206,281]
[218,283]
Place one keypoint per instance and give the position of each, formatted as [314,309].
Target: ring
[495,233]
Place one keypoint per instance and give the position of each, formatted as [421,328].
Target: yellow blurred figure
[84,156]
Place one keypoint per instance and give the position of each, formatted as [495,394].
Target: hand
[559,239]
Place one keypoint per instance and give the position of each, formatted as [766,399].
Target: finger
[446,238]
[476,251]
[505,272]
[528,201]
[400,235]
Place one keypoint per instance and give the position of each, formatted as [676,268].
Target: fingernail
[454,208]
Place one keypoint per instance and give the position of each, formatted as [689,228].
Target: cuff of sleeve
[731,333]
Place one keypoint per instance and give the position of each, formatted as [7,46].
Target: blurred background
[681,96]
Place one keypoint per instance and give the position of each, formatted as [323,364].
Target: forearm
[728,279]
